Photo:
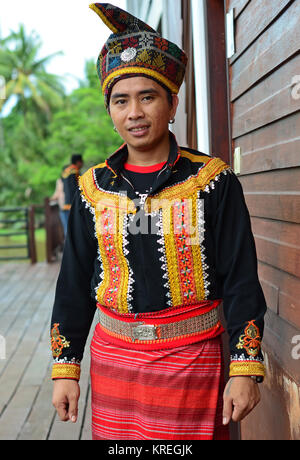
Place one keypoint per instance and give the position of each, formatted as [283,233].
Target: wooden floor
[26,411]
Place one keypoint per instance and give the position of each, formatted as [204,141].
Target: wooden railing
[20,221]
[24,217]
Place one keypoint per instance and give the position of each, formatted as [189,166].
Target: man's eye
[148,98]
[121,102]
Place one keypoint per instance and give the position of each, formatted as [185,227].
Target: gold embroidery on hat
[115,47]
[159,62]
[143,57]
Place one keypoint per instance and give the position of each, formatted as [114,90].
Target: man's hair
[75,158]
[170,97]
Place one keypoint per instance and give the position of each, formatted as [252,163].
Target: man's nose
[135,110]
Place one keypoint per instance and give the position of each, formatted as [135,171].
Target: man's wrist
[255,378]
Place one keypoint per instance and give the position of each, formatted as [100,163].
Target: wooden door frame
[218,79]
[190,102]
[219,107]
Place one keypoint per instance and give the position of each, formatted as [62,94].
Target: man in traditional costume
[158,237]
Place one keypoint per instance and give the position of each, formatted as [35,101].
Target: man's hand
[241,395]
[65,399]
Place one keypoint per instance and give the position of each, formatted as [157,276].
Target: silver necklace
[143,196]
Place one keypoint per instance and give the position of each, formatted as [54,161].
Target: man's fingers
[227,410]
[227,403]
[239,412]
[241,395]
[73,408]
[62,411]
[242,409]
[65,398]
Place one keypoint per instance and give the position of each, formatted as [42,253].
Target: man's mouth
[139,129]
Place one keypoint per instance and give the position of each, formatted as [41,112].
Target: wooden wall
[264,75]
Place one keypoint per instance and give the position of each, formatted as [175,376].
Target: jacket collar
[116,161]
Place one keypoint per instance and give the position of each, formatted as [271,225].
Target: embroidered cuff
[66,371]
[246,368]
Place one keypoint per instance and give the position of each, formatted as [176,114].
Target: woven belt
[140,331]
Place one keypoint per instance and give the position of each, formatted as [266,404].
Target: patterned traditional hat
[135,49]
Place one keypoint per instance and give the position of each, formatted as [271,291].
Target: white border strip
[201,75]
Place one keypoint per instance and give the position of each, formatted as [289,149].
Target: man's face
[141,112]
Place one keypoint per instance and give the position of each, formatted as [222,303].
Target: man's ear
[175,102]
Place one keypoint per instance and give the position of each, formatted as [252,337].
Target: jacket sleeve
[74,308]
[236,262]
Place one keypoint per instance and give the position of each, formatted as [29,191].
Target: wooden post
[31,234]
[219,100]
[191,127]
[48,231]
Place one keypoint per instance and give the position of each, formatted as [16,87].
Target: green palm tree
[26,76]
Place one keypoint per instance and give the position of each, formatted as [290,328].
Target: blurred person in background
[59,198]
[69,179]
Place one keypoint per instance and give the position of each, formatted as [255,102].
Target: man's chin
[139,143]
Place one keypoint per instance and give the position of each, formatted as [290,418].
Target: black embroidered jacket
[200,247]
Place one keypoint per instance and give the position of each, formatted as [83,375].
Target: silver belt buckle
[144,332]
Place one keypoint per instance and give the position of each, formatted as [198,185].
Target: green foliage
[26,76]
[46,126]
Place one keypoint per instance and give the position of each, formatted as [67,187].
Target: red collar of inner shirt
[144,169]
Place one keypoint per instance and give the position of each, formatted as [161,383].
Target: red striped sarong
[170,394]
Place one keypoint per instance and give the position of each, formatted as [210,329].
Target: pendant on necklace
[143,197]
